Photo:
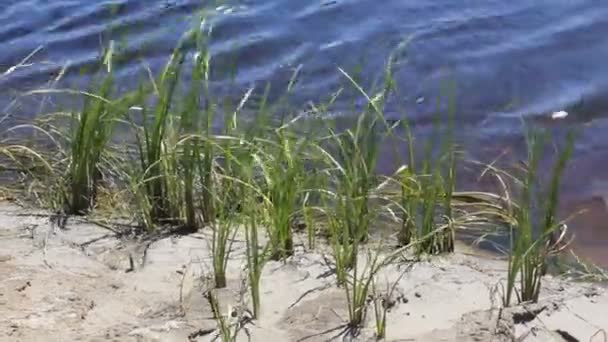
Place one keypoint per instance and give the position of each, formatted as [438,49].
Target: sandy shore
[86,284]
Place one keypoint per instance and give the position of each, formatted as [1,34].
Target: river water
[505,59]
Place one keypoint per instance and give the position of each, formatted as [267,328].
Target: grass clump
[183,172]
[426,192]
[224,230]
[282,167]
[83,153]
[532,240]
[348,208]
[354,203]
[256,257]
[152,144]
[175,144]
[93,129]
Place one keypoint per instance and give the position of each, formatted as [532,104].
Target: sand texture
[84,283]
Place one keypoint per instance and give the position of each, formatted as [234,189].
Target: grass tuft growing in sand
[187,166]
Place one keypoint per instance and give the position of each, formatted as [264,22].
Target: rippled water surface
[506,59]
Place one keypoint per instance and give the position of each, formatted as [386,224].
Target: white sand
[64,285]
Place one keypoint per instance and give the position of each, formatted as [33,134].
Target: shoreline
[85,283]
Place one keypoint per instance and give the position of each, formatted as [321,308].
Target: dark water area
[505,60]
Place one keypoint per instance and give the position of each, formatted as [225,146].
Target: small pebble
[25,286]
[418,295]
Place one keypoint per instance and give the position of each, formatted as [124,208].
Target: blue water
[505,59]
[516,57]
